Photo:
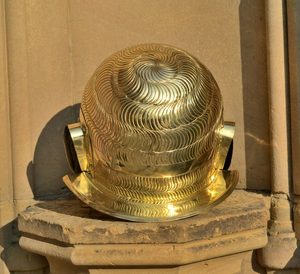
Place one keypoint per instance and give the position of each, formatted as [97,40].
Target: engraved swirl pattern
[153,113]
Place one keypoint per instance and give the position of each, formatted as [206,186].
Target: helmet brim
[100,198]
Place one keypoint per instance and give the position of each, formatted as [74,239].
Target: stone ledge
[232,264]
[150,254]
[69,230]
[72,222]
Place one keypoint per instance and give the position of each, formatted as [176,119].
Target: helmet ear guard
[226,145]
[75,147]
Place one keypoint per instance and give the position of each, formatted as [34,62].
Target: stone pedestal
[77,239]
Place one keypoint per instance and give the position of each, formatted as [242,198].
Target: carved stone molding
[69,232]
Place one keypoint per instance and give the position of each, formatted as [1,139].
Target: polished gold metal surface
[151,144]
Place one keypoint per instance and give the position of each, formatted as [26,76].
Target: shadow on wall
[255,93]
[15,259]
[49,163]
[6,238]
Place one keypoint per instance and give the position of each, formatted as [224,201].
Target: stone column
[15,192]
[6,193]
[280,253]
[293,15]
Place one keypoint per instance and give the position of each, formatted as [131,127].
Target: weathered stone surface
[72,235]
[150,254]
[280,253]
[234,264]
[17,259]
[72,222]
[282,250]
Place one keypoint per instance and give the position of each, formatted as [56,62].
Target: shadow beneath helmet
[49,163]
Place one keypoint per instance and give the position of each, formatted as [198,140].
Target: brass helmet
[151,144]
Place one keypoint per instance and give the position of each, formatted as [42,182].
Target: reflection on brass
[151,144]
